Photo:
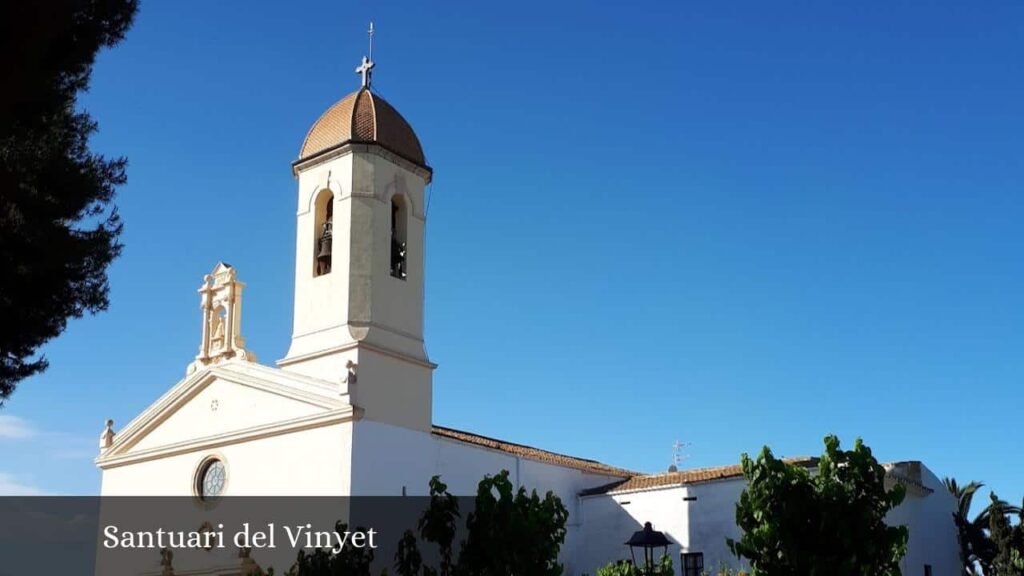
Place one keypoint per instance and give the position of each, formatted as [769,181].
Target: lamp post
[647,540]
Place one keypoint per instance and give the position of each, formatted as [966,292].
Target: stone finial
[167,562]
[220,299]
[246,565]
[107,436]
[351,375]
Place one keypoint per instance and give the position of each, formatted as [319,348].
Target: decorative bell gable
[220,299]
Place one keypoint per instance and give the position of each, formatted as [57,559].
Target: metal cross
[365,69]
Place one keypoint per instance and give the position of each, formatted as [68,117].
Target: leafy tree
[978,549]
[1007,539]
[58,228]
[508,532]
[829,523]
[438,525]
[512,532]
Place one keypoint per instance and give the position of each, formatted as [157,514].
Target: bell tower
[359,253]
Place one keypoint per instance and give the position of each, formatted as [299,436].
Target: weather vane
[365,68]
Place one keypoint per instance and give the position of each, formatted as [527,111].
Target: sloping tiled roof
[672,479]
[363,117]
[532,453]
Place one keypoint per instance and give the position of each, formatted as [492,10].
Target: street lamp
[648,539]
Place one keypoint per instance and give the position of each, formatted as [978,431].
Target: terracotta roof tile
[363,116]
[532,453]
[682,477]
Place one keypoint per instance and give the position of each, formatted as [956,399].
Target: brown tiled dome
[364,117]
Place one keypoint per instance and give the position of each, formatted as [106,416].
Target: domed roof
[363,117]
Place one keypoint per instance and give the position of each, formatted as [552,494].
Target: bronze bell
[325,247]
[323,253]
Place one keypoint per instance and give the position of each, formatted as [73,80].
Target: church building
[356,384]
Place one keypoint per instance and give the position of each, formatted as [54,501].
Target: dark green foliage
[976,550]
[1007,539]
[408,561]
[509,532]
[987,542]
[437,526]
[512,532]
[58,228]
[829,523]
[627,568]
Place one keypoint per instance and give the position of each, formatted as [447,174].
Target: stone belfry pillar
[220,299]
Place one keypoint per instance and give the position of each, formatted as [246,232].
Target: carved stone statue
[107,436]
[350,375]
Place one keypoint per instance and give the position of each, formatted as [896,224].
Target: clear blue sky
[728,223]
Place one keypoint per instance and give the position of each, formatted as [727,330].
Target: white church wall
[700,517]
[387,458]
[933,538]
[222,407]
[311,462]
[609,520]
[711,518]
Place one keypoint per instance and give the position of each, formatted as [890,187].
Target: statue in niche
[217,331]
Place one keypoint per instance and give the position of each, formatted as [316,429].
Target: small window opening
[325,234]
[693,563]
[399,248]
[210,480]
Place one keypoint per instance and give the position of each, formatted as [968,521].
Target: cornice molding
[288,361]
[297,387]
[348,413]
[350,146]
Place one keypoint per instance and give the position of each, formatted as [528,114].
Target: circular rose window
[210,483]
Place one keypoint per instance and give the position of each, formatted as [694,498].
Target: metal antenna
[370,34]
[677,452]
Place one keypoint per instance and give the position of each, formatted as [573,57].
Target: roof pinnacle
[366,67]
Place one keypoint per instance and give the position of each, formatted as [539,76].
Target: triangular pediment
[225,403]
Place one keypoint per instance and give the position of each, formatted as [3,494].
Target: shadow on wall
[697,519]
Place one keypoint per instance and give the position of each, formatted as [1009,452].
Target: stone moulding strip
[350,146]
[195,383]
[346,414]
[311,355]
